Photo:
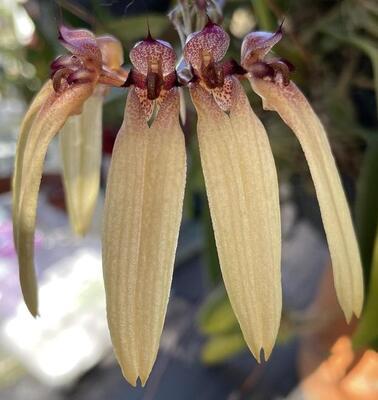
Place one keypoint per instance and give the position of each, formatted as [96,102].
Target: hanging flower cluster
[145,187]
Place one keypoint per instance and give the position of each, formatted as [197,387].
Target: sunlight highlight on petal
[50,118]
[295,110]
[242,189]
[143,207]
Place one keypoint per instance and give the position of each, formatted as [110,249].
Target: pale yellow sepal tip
[133,375]
[134,380]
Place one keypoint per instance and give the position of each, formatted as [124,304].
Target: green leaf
[216,314]
[366,204]
[365,45]
[220,348]
[264,16]
[367,331]
[212,260]
[216,317]
[195,184]
[371,50]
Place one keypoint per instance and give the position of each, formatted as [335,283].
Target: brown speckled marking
[169,105]
[212,40]
[146,105]
[151,51]
[81,43]
[278,91]
[223,96]
[153,75]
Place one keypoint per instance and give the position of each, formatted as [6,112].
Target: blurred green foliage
[367,331]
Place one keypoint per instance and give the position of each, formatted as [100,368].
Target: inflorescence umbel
[146,181]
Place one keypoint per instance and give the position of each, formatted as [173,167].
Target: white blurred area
[242,22]
[70,335]
[17,30]
[19,27]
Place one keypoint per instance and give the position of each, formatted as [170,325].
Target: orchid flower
[242,188]
[143,207]
[270,80]
[144,197]
[74,80]
[146,182]
[81,145]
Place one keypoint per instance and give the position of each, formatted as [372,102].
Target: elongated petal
[81,145]
[40,98]
[294,109]
[47,123]
[242,189]
[142,216]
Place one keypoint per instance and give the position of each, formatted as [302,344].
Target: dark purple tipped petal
[256,45]
[81,43]
[149,54]
[208,45]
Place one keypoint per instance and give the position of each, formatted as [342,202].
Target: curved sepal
[296,112]
[40,98]
[50,118]
[81,43]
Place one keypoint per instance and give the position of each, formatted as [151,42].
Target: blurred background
[66,353]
